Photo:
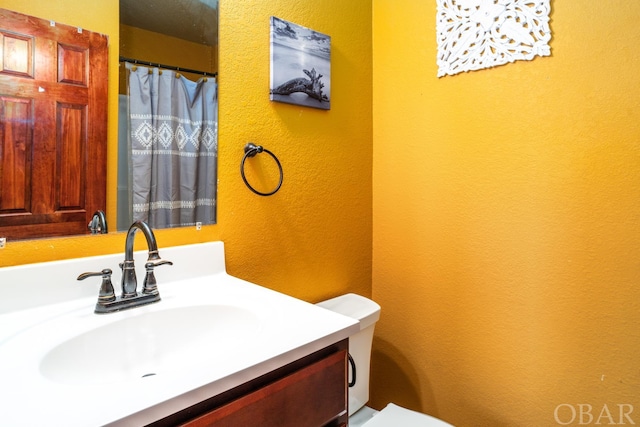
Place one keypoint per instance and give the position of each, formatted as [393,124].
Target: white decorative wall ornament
[477,34]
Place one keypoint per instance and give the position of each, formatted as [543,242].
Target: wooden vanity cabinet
[310,392]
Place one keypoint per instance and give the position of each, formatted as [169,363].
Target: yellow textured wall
[507,222]
[313,238]
[136,43]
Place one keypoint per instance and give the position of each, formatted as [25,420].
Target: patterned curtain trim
[153,152]
[174,119]
[172,204]
[146,134]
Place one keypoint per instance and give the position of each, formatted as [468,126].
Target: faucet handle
[150,285]
[157,264]
[106,289]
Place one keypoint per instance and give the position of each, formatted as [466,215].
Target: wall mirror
[167,161]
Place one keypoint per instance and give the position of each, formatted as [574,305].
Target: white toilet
[367,313]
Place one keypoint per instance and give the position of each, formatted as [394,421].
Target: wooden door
[53,126]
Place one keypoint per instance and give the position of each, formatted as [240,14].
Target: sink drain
[148,375]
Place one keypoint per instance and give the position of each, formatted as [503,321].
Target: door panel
[53,92]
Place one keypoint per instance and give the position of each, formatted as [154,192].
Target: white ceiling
[193,20]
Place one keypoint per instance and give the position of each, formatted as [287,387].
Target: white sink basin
[62,364]
[150,344]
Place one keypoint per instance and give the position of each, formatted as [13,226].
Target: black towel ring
[250,150]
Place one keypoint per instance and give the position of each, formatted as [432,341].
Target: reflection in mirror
[53,127]
[167,165]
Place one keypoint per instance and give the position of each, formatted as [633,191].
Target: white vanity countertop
[44,308]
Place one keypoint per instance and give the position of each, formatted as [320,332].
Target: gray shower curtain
[174,144]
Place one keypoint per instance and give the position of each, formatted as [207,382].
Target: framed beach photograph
[300,65]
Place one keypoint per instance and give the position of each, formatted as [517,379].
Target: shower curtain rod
[167,67]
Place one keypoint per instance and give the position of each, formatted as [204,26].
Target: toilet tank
[367,313]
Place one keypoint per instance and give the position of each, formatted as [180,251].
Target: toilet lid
[394,416]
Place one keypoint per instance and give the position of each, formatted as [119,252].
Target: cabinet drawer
[311,396]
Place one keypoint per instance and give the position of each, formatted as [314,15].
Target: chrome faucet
[129,281]
[107,301]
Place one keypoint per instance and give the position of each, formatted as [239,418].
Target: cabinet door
[315,395]
[53,121]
